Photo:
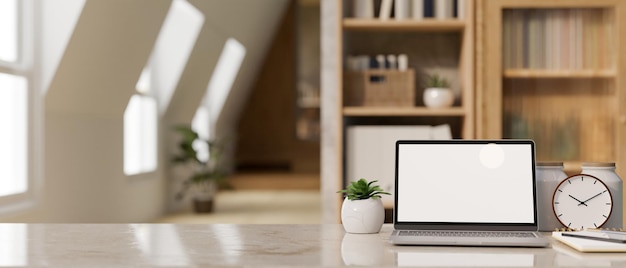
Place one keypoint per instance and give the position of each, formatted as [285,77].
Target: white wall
[84,116]
[92,69]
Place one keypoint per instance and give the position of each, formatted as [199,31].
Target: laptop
[466,193]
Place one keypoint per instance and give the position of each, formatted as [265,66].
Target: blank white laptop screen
[465,183]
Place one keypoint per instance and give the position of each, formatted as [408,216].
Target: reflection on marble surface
[160,244]
[230,242]
[362,249]
[115,245]
[445,259]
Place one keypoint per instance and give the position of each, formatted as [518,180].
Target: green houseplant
[436,80]
[437,93]
[361,189]
[362,210]
[206,175]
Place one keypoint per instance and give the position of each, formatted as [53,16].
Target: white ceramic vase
[362,216]
[606,173]
[437,97]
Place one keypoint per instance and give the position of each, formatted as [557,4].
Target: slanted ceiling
[251,22]
[104,57]
[113,39]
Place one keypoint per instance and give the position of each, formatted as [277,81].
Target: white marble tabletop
[123,245]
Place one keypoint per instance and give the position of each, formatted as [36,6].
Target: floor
[262,199]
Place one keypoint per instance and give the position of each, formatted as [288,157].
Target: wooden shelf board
[426,25]
[408,111]
[531,73]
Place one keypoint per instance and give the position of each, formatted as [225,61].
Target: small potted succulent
[362,211]
[437,93]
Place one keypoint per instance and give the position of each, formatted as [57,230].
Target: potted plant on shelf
[207,175]
[437,93]
[362,211]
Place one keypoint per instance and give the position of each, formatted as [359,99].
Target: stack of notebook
[593,240]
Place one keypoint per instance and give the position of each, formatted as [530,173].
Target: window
[223,77]
[13,136]
[172,49]
[16,111]
[157,84]
[140,135]
[8,30]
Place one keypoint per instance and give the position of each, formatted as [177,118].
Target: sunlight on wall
[8,30]
[13,137]
[140,135]
[223,77]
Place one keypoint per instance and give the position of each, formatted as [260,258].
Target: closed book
[443,9]
[460,9]
[589,245]
[417,12]
[385,9]
[402,9]
[429,8]
[363,9]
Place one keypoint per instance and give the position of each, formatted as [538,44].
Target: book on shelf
[402,9]
[443,9]
[363,9]
[558,39]
[385,9]
[460,9]
[429,8]
[417,9]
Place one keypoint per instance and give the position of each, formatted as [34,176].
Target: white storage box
[370,151]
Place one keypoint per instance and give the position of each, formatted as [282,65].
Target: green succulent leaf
[436,80]
[362,189]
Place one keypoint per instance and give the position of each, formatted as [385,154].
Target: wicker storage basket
[379,88]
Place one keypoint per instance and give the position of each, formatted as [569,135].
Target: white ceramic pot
[362,216]
[437,97]
[606,173]
[549,174]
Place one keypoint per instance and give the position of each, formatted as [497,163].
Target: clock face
[582,201]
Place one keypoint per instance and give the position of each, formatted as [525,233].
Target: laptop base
[536,241]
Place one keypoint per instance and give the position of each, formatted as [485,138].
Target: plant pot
[437,97]
[202,205]
[362,216]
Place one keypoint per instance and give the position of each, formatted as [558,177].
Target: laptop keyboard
[465,234]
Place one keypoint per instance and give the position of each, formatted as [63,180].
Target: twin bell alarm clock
[591,199]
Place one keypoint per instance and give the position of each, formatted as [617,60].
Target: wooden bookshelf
[553,71]
[531,73]
[432,45]
[425,25]
[395,111]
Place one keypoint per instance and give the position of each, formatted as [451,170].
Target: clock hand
[581,202]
